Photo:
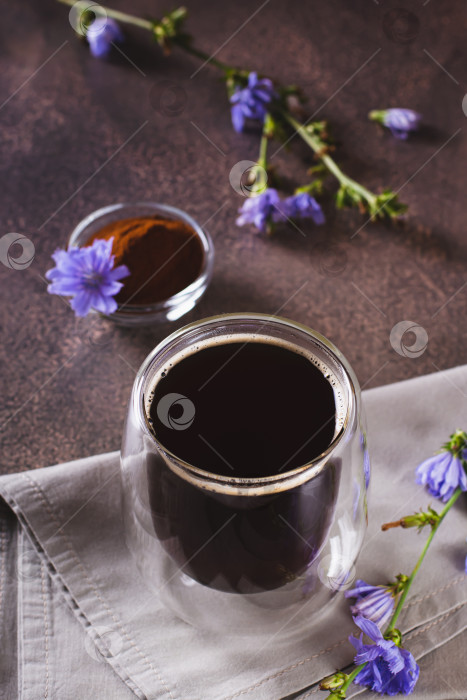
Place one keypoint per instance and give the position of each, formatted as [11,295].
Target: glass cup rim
[257,485]
[206,241]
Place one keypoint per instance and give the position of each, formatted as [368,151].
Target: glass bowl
[175,306]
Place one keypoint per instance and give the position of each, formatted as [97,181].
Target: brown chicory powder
[164,257]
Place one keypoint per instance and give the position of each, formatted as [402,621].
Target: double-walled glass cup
[245,554]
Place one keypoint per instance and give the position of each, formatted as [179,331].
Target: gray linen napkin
[77,621]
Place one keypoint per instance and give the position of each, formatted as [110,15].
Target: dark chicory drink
[243,410]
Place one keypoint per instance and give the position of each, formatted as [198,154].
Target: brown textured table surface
[78,133]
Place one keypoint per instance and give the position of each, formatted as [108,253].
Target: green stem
[263,144]
[351,677]
[199,54]
[120,16]
[316,145]
[433,532]
[258,172]
[149,25]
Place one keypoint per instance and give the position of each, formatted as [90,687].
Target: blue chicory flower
[88,275]
[366,467]
[101,34]
[252,101]
[366,459]
[261,210]
[442,474]
[389,669]
[303,206]
[266,208]
[399,121]
[374,603]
